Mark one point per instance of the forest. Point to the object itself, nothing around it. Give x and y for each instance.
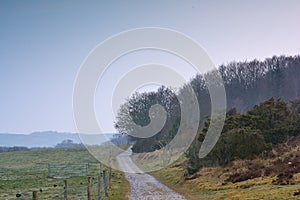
(262, 111)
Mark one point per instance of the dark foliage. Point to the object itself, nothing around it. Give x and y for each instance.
(12, 149)
(246, 136)
(272, 81)
(68, 144)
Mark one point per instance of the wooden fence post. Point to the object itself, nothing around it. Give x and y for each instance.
(34, 195)
(109, 169)
(89, 188)
(99, 188)
(109, 177)
(49, 170)
(105, 183)
(65, 190)
(100, 167)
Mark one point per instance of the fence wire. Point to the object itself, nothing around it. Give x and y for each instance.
(48, 181)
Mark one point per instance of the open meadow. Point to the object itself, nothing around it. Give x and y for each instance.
(27, 171)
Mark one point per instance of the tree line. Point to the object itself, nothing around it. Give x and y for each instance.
(12, 149)
(64, 144)
(247, 84)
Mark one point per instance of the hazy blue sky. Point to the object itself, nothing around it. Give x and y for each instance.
(43, 43)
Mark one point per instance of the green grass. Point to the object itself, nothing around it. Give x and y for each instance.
(208, 185)
(23, 172)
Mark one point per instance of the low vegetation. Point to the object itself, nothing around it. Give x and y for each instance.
(275, 175)
(248, 135)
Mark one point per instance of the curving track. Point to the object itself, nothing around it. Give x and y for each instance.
(144, 186)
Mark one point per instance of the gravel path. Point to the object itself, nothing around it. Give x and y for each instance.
(144, 186)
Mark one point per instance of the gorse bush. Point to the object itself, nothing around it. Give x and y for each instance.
(246, 136)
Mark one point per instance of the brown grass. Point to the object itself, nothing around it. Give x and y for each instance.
(273, 176)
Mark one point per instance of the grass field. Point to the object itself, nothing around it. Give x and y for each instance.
(209, 185)
(23, 172)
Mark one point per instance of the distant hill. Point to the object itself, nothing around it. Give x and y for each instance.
(49, 139)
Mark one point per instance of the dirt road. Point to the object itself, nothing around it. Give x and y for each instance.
(144, 186)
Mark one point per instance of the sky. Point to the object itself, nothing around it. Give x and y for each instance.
(44, 43)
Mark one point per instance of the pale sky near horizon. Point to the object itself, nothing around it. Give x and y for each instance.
(43, 44)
